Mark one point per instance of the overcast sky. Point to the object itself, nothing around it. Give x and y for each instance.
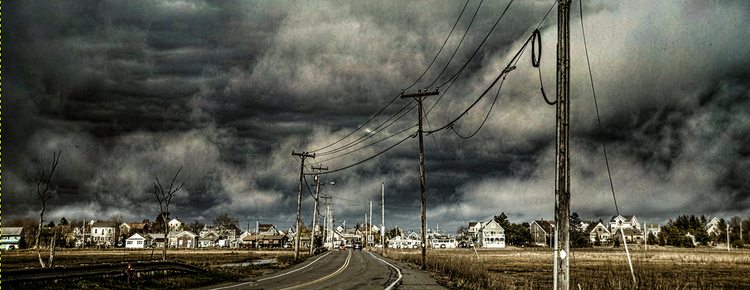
(134, 90)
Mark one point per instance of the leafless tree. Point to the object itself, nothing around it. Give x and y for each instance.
(117, 220)
(43, 197)
(164, 198)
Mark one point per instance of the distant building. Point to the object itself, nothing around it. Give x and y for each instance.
(541, 232)
(11, 238)
(623, 221)
(103, 233)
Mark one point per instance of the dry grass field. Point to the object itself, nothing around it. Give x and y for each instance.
(515, 268)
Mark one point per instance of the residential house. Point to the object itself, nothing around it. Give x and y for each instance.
(136, 241)
(183, 239)
(492, 235)
(632, 235)
(623, 221)
(272, 241)
(652, 229)
(267, 230)
(134, 228)
(157, 239)
(408, 242)
(542, 232)
(712, 227)
(103, 233)
(208, 242)
(597, 230)
(176, 224)
(474, 228)
(11, 238)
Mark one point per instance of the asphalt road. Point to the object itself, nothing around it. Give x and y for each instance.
(342, 269)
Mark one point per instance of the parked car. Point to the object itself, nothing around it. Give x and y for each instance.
(462, 245)
(287, 245)
(342, 247)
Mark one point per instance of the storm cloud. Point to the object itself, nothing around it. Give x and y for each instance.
(131, 91)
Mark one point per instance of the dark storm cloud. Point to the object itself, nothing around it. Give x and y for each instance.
(134, 90)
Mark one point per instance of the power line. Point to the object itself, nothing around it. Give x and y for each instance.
(459, 44)
(371, 157)
(443, 46)
(368, 145)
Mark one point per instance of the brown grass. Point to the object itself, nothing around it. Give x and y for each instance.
(515, 268)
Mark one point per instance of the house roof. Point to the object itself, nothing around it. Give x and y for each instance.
(628, 218)
(136, 226)
(547, 226)
(178, 220)
(11, 231)
(104, 225)
(272, 237)
(593, 226)
(157, 236)
(136, 237)
(265, 227)
(472, 224)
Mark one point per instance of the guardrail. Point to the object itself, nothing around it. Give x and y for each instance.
(35, 274)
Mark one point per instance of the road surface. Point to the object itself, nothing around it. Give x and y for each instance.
(341, 269)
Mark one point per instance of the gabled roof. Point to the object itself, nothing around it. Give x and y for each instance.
(593, 226)
(136, 237)
(628, 218)
(156, 236)
(136, 226)
(11, 231)
(547, 226)
(104, 225)
(265, 227)
(472, 224)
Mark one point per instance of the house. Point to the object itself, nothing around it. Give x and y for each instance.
(652, 229)
(400, 242)
(136, 241)
(183, 239)
(11, 238)
(542, 232)
(474, 228)
(275, 241)
(207, 242)
(267, 230)
(632, 235)
(712, 227)
(103, 233)
(623, 221)
(597, 230)
(176, 224)
(492, 235)
(134, 228)
(157, 239)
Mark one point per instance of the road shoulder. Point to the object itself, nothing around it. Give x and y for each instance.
(413, 277)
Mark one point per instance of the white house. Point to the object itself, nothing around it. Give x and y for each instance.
(623, 221)
(597, 230)
(712, 227)
(175, 224)
(136, 241)
(103, 233)
(492, 235)
(11, 238)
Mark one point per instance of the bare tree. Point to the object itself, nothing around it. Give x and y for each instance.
(43, 197)
(164, 198)
(117, 220)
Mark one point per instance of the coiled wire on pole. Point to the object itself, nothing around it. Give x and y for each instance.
(536, 40)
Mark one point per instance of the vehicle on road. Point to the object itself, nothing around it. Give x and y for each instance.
(358, 246)
(342, 246)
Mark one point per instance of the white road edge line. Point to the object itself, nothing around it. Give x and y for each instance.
(394, 267)
(287, 273)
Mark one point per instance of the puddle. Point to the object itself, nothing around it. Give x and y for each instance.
(257, 262)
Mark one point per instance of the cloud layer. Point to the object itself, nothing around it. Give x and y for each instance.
(132, 91)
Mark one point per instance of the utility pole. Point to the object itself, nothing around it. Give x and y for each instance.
(562, 170)
(313, 243)
(382, 224)
(729, 247)
(369, 227)
(419, 97)
(302, 155)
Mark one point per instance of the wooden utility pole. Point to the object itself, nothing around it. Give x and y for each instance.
(729, 247)
(562, 176)
(419, 97)
(382, 224)
(313, 243)
(369, 226)
(302, 155)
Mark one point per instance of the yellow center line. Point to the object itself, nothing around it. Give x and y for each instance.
(346, 264)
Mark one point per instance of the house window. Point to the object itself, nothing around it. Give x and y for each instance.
(96, 231)
(130, 242)
(140, 242)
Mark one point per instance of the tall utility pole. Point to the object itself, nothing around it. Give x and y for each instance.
(369, 227)
(382, 224)
(302, 155)
(729, 248)
(419, 97)
(313, 243)
(326, 221)
(562, 170)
